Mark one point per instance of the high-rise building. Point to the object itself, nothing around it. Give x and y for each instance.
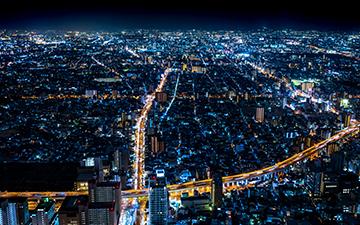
(106, 192)
(3, 214)
(329, 182)
(337, 161)
(344, 103)
(161, 97)
(347, 119)
(73, 210)
(158, 200)
(11, 214)
(320, 183)
(44, 213)
(198, 69)
(259, 115)
(101, 213)
(120, 165)
(313, 182)
(22, 209)
(5, 218)
(216, 190)
(14, 211)
(157, 145)
(96, 164)
(91, 93)
(84, 175)
(246, 96)
(117, 160)
(284, 102)
(307, 86)
(332, 148)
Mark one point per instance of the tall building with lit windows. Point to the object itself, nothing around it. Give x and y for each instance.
(44, 213)
(259, 115)
(14, 211)
(106, 192)
(347, 119)
(161, 97)
(157, 144)
(5, 214)
(101, 213)
(158, 200)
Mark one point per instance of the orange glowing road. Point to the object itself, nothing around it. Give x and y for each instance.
(139, 146)
(38, 195)
(174, 189)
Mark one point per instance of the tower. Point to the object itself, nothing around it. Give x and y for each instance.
(158, 200)
(259, 115)
(45, 213)
(216, 190)
(73, 210)
(101, 213)
(105, 192)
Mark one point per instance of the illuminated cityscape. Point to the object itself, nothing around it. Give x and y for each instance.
(179, 126)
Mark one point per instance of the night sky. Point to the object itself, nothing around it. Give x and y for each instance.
(186, 14)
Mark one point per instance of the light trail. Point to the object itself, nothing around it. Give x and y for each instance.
(38, 195)
(128, 213)
(171, 102)
(298, 157)
(98, 62)
(175, 189)
(139, 146)
(130, 196)
(345, 54)
(132, 52)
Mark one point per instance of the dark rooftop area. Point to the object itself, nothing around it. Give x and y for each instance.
(37, 176)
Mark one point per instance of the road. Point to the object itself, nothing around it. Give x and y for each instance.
(39, 195)
(341, 53)
(175, 189)
(139, 145)
(130, 202)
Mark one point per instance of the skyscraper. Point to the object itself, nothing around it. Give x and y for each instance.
(307, 86)
(158, 200)
(106, 192)
(117, 160)
(284, 102)
(216, 190)
(101, 213)
(157, 145)
(5, 217)
(14, 211)
(347, 119)
(44, 213)
(73, 210)
(161, 97)
(259, 115)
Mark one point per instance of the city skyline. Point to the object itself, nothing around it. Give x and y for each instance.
(211, 15)
(173, 113)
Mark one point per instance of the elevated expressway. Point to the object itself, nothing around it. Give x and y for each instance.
(236, 181)
(243, 180)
